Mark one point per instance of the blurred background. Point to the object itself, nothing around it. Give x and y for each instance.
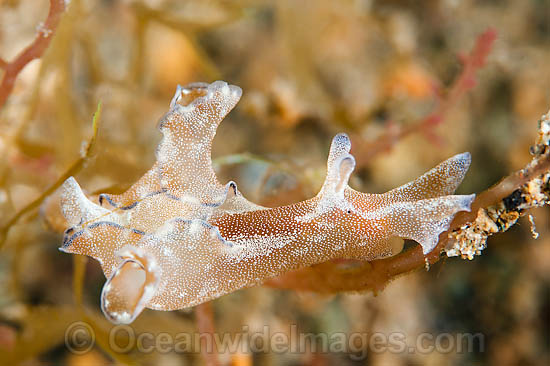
(308, 69)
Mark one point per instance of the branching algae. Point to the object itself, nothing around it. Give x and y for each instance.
(178, 237)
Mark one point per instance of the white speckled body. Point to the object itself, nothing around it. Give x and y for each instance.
(178, 237)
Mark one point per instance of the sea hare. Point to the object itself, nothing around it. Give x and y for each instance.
(178, 237)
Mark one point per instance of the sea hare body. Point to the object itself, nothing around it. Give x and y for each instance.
(178, 237)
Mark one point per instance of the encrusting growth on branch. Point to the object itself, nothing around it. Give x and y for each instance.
(469, 240)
